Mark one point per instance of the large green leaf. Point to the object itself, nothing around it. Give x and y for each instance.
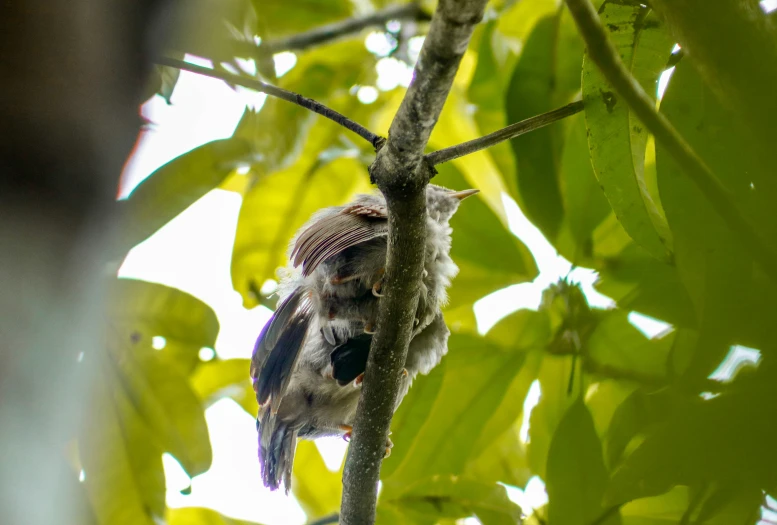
(317, 489)
(737, 506)
(141, 310)
(108, 469)
(496, 59)
(616, 139)
(175, 186)
(725, 440)
(555, 398)
(584, 202)
(504, 460)
(546, 76)
(639, 282)
(728, 293)
(576, 475)
(162, 396)
(616, 347)
(452, 497)
(462, 406)
(488, 255)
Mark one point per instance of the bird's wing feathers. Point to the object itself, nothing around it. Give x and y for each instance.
(278, 347)
(330, 235)
(277, 442)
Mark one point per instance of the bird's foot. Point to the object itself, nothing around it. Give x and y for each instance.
(369, 327)
(359, 380)
(404, 372)
(376, 288)
(348, 431)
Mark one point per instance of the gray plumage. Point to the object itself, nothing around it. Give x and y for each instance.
(319, 336)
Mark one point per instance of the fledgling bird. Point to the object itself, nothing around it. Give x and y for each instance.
(318, 339)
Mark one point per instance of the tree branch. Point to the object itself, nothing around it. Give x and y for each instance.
(402, 174)
(507, 133)
(326, 33)
(607, 59)
(274, 91)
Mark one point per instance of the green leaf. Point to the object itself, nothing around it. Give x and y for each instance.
(496, 59)
(274, 20)
(616, 139)
(617, 348)
(162, 396)
(108, 469)
(218, 379)
(576, 477)
(546, 76)
(218, 30)
(724, 440)
(555, 398)
(456, 125)
(638, 282)
(201, 516)
(638, 413)
(504, 461)
(488, 255)
(141, 310)
(317, 489)
(714, 265)
(175, 186)
(451, 497)
(468, 401)
(584, 202)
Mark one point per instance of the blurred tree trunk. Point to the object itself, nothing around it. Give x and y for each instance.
(72, 74)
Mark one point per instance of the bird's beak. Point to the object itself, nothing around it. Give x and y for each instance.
(463, 194)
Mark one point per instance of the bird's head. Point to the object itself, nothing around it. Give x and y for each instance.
(442, 203)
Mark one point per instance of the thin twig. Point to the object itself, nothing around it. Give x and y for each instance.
(510, 132)
(607, 59)
(326, 33)
(402, 174)
(274, 91)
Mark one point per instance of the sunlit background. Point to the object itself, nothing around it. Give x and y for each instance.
(193, 253)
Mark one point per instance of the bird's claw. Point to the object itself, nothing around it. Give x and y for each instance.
(359, 380)
(369, 328)
(376, 289)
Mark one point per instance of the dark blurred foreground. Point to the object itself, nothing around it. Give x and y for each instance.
(71, 77)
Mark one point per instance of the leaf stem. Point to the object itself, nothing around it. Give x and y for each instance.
(507, 133)
(274, 91)
(606, 57)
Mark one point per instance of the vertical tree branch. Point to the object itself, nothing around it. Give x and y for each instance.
(401, 173)
(606, 57)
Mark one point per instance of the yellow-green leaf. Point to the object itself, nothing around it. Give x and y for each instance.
(617, 140)
(576, 477)
(317, 489)
(175, 186)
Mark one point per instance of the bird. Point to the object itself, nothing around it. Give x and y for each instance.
(317, 341)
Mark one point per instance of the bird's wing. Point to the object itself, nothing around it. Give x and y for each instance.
(332, 234)
(278, 347)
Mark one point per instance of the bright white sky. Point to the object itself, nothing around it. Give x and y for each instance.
(193, 253)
